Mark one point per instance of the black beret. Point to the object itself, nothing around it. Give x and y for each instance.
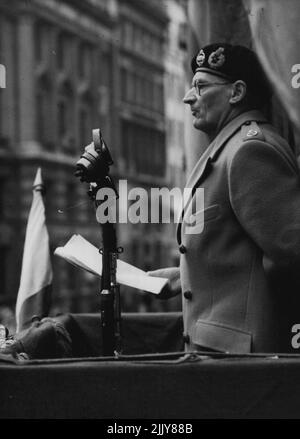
(232, 63)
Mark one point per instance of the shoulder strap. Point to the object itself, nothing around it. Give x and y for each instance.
(251, 131)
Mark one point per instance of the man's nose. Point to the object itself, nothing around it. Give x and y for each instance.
(190, 96)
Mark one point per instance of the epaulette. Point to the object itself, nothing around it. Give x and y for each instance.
(251, 131)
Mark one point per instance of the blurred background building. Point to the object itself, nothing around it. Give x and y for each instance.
(121, 65)
(73, 66)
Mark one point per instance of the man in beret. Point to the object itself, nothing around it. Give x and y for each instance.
(239, 276)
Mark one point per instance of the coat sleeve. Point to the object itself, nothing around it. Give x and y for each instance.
(264, 189)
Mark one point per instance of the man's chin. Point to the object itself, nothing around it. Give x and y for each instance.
(199, 124)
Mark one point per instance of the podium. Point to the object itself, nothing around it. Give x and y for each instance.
(149, 381)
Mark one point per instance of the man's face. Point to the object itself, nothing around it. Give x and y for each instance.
(209, 101)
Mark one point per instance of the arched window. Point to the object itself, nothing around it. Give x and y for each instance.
(42, 42)
(65, 117)
(44, 114)
(85, 122)
(64, 52)
(85, 61)
(87, 108)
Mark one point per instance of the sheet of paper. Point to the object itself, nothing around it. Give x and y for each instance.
(81, 253)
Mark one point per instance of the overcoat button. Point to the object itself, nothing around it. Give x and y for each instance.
(182, 249)
(186, 338)
(188, 295)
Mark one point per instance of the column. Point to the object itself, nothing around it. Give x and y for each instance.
(26, 81)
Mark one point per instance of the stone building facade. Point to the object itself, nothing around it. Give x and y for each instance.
(73, 66)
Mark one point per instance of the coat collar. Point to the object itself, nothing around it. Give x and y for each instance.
(232, 127)
(211, 153)
(204, 164)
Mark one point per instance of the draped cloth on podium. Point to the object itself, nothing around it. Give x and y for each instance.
(79, 335)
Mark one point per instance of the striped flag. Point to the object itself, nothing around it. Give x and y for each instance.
(36, 277)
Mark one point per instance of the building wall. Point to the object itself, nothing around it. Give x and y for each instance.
(58, 58)
(144, 147)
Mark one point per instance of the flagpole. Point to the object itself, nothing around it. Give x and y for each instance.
(34, 292)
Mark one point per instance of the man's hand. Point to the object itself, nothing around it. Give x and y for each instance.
(173, 287)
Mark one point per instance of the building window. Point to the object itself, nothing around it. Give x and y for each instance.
(44, 114)
(130, 87)
(41, 104)
(71, 200)
(139, 90)
(128, 37)
(85, 61)
(50, 199)
(159, 153)
(42, 42)
(104, 69)
(125, 142)
(124, 84)
(138, 39)
(148, 94)
(65, 118)
(64, 51)
(62, 111)
(85, 124)
(144, 149)
(147, 42)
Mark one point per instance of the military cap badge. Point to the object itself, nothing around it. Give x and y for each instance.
(216, 59)
(200, 58)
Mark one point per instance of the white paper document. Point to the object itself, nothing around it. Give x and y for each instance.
(81, 253)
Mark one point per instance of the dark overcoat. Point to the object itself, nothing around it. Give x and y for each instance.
(240, 275)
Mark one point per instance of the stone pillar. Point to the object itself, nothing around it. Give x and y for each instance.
(26, 81)
(8, 94)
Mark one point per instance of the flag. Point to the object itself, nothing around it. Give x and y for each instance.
(36, 275)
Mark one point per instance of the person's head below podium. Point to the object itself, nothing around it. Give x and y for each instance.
(228, 80)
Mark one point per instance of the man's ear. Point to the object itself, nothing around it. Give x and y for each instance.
(239, 90)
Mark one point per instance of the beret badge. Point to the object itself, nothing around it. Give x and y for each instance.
(200, 58)
(216, 59)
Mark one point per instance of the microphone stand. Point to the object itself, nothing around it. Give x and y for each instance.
(110, 290)
(110, 294)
